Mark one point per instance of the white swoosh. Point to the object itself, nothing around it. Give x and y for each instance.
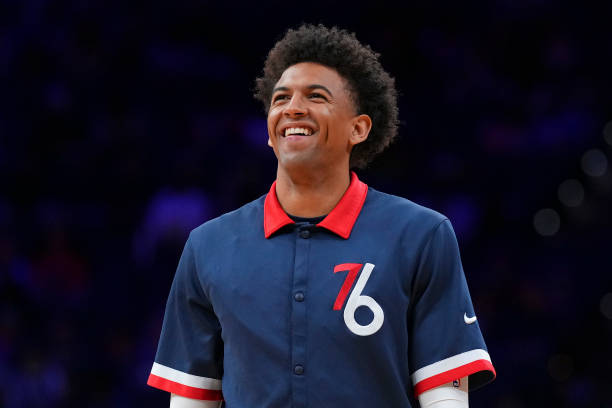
(468, 320)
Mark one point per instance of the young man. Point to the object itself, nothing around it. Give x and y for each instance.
(324, 292)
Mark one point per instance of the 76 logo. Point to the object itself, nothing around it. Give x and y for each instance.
(356, 299)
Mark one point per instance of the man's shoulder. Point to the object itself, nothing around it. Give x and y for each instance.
(247, 216)
(402, 210)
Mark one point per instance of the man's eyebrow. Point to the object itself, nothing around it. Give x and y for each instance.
(317, 86)
(280, 88)
(313, 86)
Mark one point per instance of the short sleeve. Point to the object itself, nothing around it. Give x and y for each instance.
(190, 350)
(445, 341)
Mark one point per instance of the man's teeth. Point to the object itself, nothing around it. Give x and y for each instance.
(298, 131)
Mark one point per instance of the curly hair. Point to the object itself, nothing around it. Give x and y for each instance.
(371, 87)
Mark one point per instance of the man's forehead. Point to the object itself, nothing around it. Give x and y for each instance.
(306, 74)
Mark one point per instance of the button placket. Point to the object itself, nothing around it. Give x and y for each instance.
(298, 319)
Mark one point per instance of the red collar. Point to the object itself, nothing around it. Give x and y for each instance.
(339, 221)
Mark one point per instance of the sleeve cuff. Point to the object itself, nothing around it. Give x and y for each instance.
(449, 369)
(184, 384)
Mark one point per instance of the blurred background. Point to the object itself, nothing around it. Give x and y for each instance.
(123, 125)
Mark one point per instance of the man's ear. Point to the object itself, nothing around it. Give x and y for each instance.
(270, 142)
(361, 129)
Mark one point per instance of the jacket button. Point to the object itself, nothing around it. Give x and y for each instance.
(299, 296)
(298, 369)
(305, 234)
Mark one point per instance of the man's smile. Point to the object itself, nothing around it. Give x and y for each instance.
(296, 129)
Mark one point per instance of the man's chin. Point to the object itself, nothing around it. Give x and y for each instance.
(298, 159)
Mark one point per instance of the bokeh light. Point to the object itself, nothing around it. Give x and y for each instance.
(594, 163)
(546, 222)
(571, 193)
(605, 305)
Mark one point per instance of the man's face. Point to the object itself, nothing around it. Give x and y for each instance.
(312, 118)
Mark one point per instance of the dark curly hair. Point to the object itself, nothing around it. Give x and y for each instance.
(371, 87)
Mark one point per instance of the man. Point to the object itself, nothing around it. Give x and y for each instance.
(324, 292)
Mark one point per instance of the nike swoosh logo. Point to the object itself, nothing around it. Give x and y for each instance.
(468, 320)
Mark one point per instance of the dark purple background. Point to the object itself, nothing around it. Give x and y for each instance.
(124, 124)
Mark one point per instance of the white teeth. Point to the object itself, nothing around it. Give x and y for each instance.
(301, 131)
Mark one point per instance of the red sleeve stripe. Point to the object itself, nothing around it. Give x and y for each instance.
(451, 375)
(451, 368)
(185, 384)
(184, 378)
(184, 390)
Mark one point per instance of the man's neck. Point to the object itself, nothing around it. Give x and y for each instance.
(311, 194)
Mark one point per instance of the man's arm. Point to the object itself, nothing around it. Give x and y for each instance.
(445, 343)
(189, 355)
(176, 401)
(449, 395)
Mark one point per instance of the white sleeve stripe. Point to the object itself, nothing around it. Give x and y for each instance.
(184, 378)
(449, 364)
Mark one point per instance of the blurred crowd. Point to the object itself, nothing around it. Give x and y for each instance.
(124, 125)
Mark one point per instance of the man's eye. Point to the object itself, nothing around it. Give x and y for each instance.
(280, 98)
(317, 95)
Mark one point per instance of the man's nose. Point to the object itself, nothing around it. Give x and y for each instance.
(295, 107)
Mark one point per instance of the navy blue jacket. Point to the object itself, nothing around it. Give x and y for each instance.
(367, 308)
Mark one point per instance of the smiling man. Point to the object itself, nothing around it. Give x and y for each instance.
(313, 126)
(324, 292)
